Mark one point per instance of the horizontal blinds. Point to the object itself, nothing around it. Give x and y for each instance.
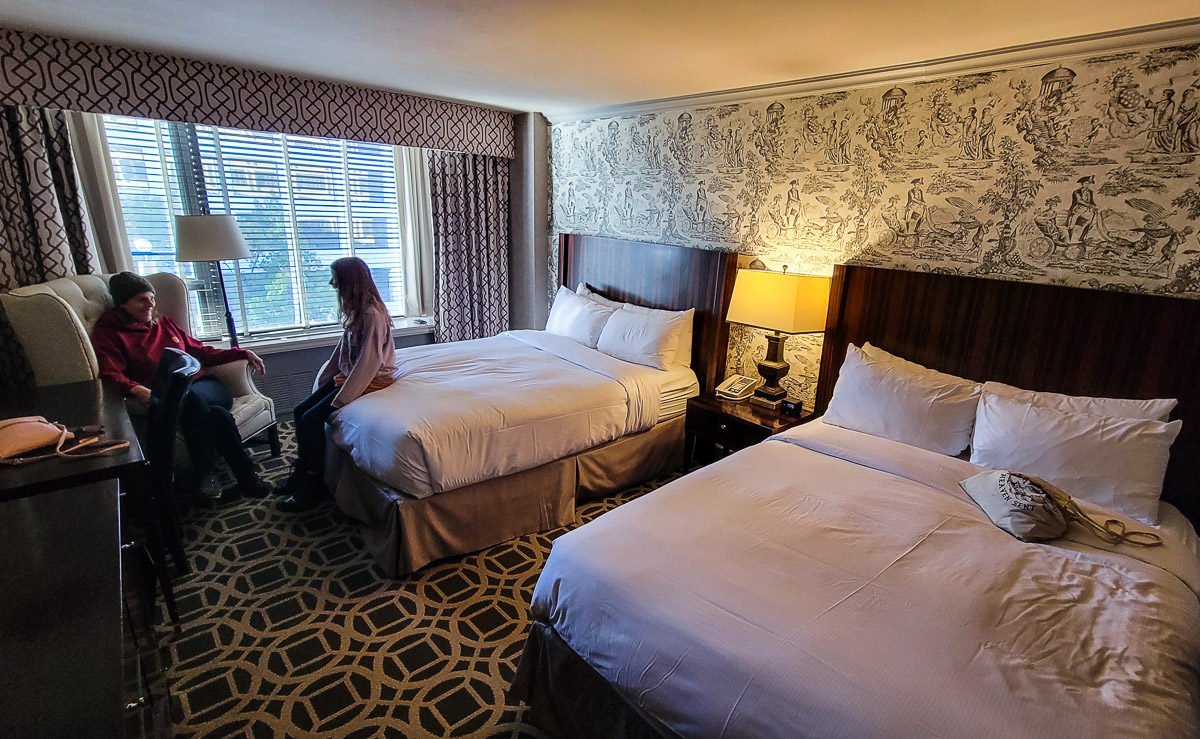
(144, 170)
(301, 203)
(375, 218)
(246, 175)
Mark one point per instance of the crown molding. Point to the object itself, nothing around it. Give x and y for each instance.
(1158, 34)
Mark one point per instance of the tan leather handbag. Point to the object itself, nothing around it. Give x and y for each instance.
(19, 436)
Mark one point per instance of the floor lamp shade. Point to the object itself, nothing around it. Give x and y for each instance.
(782, 303)
(209, 238)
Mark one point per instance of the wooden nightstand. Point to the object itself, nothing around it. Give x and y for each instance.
(730, 425)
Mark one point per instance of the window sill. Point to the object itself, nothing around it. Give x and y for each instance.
(322, 337)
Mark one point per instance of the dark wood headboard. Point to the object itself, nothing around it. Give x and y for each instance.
(660, 276)
(1041, 337)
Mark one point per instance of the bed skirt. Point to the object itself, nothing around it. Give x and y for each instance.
(567, 697)
(403, 533)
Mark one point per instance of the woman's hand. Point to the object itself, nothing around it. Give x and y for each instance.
(256, 363)
(141, 393)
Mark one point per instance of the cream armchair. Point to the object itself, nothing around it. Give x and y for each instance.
(53, 322)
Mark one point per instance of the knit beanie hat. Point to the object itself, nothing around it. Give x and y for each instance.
(124, 286)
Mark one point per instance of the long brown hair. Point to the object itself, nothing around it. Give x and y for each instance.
(356, 291)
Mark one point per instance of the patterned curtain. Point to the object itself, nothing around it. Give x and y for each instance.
(469, 198)
(42, 235)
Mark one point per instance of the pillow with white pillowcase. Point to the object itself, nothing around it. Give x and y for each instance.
(682, 354)
(586, 292)
(1118, 463)
(640, 338)
(1157, 409)
(681, 322)
(885, 399)
(578, 318)
(877, 354)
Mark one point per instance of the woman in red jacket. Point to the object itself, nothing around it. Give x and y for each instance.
(363, 361)
(129, 340)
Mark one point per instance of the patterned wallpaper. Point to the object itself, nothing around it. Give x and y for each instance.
(1084, 172)
(48, 72)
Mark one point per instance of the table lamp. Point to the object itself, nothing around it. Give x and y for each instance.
(781, 303)
(211, 238)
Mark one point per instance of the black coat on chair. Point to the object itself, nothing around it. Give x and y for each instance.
(174, 375)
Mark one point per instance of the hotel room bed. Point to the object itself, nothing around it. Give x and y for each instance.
(481, 441)
(831, 583)
(475, 410)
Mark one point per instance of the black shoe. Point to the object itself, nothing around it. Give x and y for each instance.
(297, 481)
(298, 502)
(253, 487)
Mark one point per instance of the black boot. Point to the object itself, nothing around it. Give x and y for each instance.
(293, 483)
(250, 486)
(306, 492)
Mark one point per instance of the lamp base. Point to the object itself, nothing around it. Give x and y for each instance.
(763, 402)
(773, 369)
(233, 341)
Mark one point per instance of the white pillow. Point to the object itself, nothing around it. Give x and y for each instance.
(640, 338)
(1118, 463)
(1158, 409)
(879, 355)
(577, 317)
(682, 321)
(681, 350)
(583, 290)
(884, 399)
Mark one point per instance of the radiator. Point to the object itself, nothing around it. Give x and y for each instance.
(286, 390)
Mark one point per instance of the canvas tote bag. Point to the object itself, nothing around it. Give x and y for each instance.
(1032, 509)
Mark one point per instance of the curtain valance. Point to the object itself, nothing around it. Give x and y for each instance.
(50, 72)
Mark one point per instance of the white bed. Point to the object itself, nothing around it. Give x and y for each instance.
(475, 410)
(481, 441)
(828, 583)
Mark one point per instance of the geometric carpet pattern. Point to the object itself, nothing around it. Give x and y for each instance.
(288, 629)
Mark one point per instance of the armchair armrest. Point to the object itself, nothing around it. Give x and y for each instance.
(236, 376)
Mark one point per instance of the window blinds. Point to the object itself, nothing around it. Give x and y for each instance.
(301, 202)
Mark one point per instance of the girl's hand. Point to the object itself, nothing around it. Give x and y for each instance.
(256, 363)
(141, 393)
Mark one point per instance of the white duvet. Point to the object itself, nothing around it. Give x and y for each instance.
(832, 584)
(468, 411)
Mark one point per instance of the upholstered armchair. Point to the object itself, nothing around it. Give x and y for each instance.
(53, 322)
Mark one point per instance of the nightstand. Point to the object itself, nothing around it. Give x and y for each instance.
(730, 425)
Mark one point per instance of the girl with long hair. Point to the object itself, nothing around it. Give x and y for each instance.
(363, 361)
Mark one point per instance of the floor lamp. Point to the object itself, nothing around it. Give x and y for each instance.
(211, 238)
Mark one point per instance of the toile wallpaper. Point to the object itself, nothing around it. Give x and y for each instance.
(1084, 173)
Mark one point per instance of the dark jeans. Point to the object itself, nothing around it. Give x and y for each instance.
(310, 418)
(208, 428)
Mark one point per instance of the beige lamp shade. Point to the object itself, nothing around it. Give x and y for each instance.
(778, 301)
(209, 238)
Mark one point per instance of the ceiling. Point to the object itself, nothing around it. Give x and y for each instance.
(574, 55)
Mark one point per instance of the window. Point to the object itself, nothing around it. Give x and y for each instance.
(301, 203)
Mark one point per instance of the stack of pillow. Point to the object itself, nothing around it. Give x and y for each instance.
(1112, 452)
(648, 336)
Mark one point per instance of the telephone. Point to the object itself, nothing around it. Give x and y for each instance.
(737, 387)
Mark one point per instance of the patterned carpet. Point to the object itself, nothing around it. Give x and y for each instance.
(287, 628)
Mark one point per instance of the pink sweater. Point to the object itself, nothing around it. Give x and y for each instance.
(364, 354)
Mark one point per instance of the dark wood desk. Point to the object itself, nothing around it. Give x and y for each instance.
(68, 555)
(60, 614)
(73, 404)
